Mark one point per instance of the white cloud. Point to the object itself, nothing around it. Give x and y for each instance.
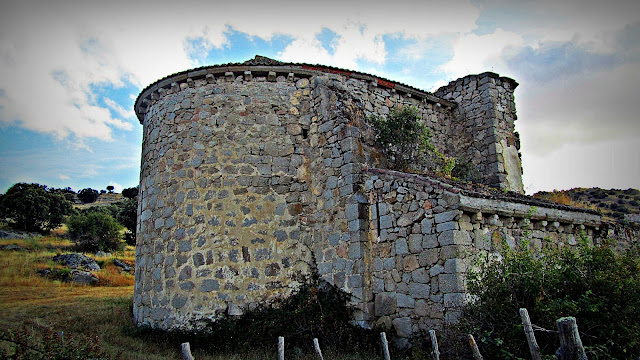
(479, 53)
(595, 107)
(51, 53)
(127, 114)
(63, 177)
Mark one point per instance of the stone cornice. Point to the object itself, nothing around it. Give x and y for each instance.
(490, 200)
(271, 69)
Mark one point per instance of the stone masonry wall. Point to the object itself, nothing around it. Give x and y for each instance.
(486, 114)
(425, 234)
(255, 177)
(220, 192)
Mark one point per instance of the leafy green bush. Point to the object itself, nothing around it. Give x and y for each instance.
(95, 231)
(597, 286)
(407, 142)
(34, 207)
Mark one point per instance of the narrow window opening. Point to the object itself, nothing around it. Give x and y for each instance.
(305, 133)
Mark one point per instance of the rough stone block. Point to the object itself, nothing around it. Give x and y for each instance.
(401, 246)
(451, 225)
(415, 243)
(450, 283)
(386, 222)
(405, 219)
(446, 216)
(426, 225)
(405, 301)
(209, 285)
(454, 266)
(436, 270)
(419, 291)
(385, 304)
(454, 237)
(420, 276)
(403, 327)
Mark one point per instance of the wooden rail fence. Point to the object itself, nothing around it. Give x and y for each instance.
(570, 344)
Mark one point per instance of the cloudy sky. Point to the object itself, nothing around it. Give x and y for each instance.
(71, 70)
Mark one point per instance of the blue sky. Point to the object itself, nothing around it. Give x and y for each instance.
(71, 70)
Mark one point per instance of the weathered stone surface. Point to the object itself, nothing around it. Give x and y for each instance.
(454, 237)
(77, 261)
(402, 327)
(385, 304)
(251, 177)
(83, 277)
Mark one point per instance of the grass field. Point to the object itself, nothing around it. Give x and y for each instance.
(41, 305)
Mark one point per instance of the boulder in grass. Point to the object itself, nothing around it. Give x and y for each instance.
(123, 265)
(83, 277)
(77, 261)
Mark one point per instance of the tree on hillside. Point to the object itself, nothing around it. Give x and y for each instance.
(110, 189)
(130, 193)
(88, 195)
(34, 207)
(67, 192)
(128, 217)
(95, 231)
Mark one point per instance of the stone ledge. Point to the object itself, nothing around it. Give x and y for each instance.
(506, 208)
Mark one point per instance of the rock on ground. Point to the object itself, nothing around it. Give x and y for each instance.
(77, 261)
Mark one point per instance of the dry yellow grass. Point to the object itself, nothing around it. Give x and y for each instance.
(36, 303)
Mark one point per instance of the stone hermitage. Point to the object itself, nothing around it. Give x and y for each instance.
(256, 174)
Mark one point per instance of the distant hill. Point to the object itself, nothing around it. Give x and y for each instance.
(614, 203)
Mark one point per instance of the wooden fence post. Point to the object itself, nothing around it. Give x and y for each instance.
(385, 346)
(435, 353)
(316, 346)
(280, 347)
(531, 337)
(570, 343)
(474, 348)
(186, 351)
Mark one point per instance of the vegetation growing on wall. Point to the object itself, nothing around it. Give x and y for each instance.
(407, 142)
(597, 286)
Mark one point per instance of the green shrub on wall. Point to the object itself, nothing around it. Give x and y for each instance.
(600, 288)
(407, 142)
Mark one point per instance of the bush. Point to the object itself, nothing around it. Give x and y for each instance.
(316, 310)
(406, 141)
(88, 195)
(130, 193)
(128, 217)
(597, 286)
(95, 231)
(111, 210)
(34, 207)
